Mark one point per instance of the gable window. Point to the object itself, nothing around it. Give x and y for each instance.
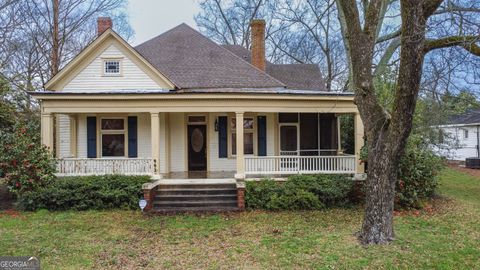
(248, 137)
(113, 137)
(111, 67)
(465, 134)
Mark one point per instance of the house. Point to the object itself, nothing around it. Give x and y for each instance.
(179, 107)
(463, 131)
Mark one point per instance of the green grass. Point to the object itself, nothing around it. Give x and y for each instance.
(447, 238)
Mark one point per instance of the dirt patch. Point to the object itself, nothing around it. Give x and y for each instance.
(6, 198)
(473, 172)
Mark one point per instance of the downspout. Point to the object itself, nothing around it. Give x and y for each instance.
(478, 141)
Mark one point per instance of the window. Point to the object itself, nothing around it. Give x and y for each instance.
(465, 133)
(111, 67)
(113, 137)
(248, 125)
(197, 119)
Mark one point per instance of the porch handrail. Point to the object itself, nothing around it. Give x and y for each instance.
(271, 165)
(101, 166)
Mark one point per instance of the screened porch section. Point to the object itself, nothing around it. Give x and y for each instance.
(308, 143)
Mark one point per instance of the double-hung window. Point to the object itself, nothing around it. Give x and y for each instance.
(248, 137)
(113, 137)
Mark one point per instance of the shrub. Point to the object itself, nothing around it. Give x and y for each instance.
(25, 164)
(297, 199)
(299, 192)
(88, 192)
(417, 177)
(332, 189)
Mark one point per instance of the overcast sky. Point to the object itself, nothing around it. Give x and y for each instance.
(150, 18)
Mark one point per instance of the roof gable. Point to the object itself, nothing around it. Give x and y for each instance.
(191, 60)
(105, 41)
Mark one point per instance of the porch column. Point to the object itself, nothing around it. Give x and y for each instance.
(339, 136)
(73, 135)
(240, 151)
(359, 133)
(47, 130)
(163, 165)
(155, 141)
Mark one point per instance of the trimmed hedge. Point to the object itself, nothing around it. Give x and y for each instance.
(86, 192)
(299, 192)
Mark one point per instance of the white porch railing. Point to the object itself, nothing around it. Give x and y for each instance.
(101, 166)
(271, 165)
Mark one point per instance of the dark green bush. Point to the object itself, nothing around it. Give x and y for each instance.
(297, 199)
(417, 177)
(25, 164)
(88, 192)
(299, 192)
(331, 189)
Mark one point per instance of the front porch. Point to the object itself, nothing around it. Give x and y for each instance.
(188, 137)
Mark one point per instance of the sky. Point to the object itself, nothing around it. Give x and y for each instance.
(150, 18)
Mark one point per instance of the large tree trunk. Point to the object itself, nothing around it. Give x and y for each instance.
(387, 143)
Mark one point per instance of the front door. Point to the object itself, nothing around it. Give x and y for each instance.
(197, 143)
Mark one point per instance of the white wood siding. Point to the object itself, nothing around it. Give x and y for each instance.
(82, 136)
(462, 147)
(63, 122)
(177, 139)
(91, 77)
(144, 143)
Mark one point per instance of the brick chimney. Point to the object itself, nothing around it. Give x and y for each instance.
(257, 27)
(103, 23)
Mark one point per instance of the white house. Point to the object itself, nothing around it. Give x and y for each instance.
(179, 106)
(463, 131)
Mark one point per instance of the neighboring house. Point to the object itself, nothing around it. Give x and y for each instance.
(180, 106)
(463, 136)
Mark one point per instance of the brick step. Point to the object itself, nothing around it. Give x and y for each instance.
(196, 203)
(196, 191)
(197, 186)
(194, 197)
(194, 209)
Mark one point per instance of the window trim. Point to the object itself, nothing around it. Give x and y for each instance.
(465, 134)
(231, 131)
(120, 67)
(123, 131)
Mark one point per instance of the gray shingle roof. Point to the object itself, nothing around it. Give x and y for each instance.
(469, 117)
(295, 76)
(191, 60)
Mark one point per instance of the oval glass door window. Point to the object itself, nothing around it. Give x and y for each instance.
(197, 140)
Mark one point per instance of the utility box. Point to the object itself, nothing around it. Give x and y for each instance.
(472, 163)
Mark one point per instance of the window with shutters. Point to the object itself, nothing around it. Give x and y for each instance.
(113, 137)
(248, 136)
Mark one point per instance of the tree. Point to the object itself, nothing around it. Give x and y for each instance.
(43, 35)
(386, 130)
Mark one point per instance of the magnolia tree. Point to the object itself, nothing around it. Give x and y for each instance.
(387, 130)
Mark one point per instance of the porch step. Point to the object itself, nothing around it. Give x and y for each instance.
(195, 197)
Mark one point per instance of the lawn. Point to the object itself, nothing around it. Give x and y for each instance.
(446, 236)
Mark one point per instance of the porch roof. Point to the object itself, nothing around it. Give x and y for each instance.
(142, 92)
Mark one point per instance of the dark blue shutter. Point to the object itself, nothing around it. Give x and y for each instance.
(262, 135)
(91, 137)
(132, 137)
(222, 137)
